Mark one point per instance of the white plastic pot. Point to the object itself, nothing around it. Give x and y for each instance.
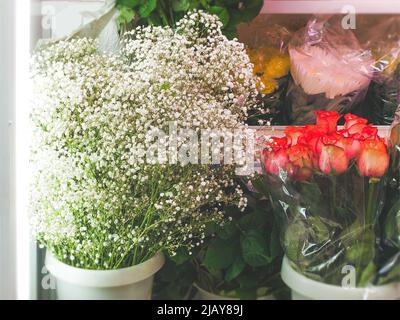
(121, 284)
(304, 288)
(205, 295)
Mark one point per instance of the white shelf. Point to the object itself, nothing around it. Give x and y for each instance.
(331, 6)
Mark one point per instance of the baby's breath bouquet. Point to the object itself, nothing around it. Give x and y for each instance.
(97, 200)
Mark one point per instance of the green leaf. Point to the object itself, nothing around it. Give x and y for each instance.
(235, 269)
(259, 183)
(154, 19)
(129, 3)
(255, 249)
(253, 221)
(126, 15)
(227, 2)
(180, 5)
(392, 225)
(220, 254)
(182, 256)
(367, 275)
(221, 12)
(205, 4)
(296, 234)
(211, 228)
(228, 231)
(275, 248)
(147, 7)
(248, 280)
(251, 9)
(247, 293)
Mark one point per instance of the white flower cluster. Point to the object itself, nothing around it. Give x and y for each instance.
(96, 202)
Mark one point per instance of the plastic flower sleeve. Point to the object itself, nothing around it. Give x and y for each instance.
(330, 71)
(326, 187)
(384, 93)
(389, 260)
(269, 54)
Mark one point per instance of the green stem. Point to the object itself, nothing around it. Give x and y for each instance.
(369, 212)
(333, 197)
(163, 15)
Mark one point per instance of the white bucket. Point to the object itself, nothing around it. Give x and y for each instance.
(130, 283)
(304, 288)
(205, 295)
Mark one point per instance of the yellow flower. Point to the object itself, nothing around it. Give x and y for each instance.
(278, 66)
(258, 59)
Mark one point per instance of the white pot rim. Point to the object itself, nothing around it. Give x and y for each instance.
(322, 291)
(103, 278)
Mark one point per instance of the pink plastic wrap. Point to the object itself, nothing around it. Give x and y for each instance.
(330, 71)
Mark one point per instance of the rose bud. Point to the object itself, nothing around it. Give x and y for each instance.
(374, 159)
(275, 143)
(356, 129)
(300, 156)
(352, 120)
(275, 161)
(293, 133)
(274, 155)
(333, 160)
(327, 120)
(367, 132)
(311, 137)
(351, 147)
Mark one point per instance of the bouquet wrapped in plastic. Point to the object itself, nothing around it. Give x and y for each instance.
(271, 62)
(327, 188)
(384, 93)
(330, 71)
(389, 260)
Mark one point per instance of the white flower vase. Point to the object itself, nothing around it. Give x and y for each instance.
(304, 288)
(205, 295)
(132, 283)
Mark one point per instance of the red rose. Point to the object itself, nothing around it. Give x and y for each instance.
(275, 157)
(330, 139)
(352, 120)
(311, 137)
(351, 147)
(367, 132)
(293, 134)
(333, 160)
(275, 161)
(327, 120)
(276, 144)
(374, 159)
(300, 157)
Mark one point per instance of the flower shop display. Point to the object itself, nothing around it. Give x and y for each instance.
(384, 93)
(101, 207)
(327, 189)
(330, 71)
(169, 12)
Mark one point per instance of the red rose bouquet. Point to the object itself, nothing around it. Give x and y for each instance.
(326, 187)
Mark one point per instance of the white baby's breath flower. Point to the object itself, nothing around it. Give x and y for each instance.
(96, 202)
